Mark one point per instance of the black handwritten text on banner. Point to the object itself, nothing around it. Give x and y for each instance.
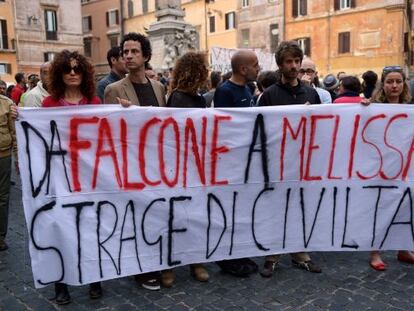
(110, 192)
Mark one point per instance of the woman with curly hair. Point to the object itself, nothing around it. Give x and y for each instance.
(71, 83)
(190, 73)
(393, 89)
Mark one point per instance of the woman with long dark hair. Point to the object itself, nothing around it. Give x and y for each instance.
(71, 83)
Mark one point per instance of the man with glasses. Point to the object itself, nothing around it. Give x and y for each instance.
(309, 76)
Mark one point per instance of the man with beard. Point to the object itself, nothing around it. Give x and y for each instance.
(231, 94)
(289, 90)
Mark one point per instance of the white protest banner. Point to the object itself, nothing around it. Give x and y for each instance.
(109, 192)
(221, 59)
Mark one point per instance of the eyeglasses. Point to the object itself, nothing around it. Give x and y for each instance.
(389, 69)
(68, 69)
(308, 71)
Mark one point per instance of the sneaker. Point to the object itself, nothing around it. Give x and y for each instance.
(95, 290)
(167, 278)
(268, 268)
(3, 245)
(307, 265)
(199, 272)
(150, 280)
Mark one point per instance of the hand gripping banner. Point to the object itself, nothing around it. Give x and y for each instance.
(110, 192)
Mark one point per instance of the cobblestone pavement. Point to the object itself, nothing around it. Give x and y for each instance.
(347, 283)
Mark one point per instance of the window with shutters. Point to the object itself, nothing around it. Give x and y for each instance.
(304, 44)
(230, 20)
(112, 18)
(113, 41)
(144, 6)
(406, 43)
(344, 4)
(51, 25)
(86, 23)
(299, 8)
(212, 24)
(274, 37)
(87, 46)
(130, 8)
(5, 68)
(245, 34)
(245, 3)
(4, 39)
(48, 56)
(344, 42)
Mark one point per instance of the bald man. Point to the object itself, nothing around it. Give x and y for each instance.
(36, 95)
(234, 92)
(309, 76)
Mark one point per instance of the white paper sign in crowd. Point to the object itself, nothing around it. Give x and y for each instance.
(110, 192)
(220, 59)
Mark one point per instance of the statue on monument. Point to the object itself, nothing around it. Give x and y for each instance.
(168, 4)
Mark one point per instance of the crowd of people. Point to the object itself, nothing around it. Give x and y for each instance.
(69, 81)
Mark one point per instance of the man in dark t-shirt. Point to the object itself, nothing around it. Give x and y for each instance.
(234, 92)
(231, 94)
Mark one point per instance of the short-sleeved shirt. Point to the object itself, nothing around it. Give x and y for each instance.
(145, 94)
(232, 95)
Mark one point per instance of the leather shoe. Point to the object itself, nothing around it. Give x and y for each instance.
(268, 268)
(62, 296)
(199, 272)
(234, 267)
(95, 290)
(405, 256)
(3, 245)
(167, 278)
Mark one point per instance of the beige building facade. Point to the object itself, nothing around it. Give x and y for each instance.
(215, 21)
(352, 35)
(8, 64)
(260, 24)
(102, 30)
(44, 28)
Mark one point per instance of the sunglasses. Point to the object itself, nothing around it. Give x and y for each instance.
(389, 69)
(68, 69)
